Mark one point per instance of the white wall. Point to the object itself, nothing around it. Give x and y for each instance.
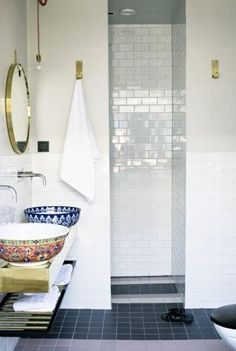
(141, 158)
(211, 229)
(90, 286)
(211, 122)
(211, 146)
(13, 35)
(71, 31)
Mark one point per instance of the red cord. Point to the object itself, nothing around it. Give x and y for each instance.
(38, 28)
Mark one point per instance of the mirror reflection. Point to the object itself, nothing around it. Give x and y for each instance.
(17, 108)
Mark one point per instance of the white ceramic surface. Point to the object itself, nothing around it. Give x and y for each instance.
(31, 231)
(228, 335)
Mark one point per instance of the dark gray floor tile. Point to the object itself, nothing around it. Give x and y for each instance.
(123, 337)
(109, 336)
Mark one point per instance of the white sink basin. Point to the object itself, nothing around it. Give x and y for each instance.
(31, 244)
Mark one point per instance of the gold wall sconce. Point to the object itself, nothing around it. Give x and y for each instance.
(215, 69)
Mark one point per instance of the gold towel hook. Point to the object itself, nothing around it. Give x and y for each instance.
(79, 69)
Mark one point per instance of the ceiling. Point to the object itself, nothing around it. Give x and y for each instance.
(148, 11)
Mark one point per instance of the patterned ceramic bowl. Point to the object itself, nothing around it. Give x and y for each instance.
(31, 243)
(63, 215)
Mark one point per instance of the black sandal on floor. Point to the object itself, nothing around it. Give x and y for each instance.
(177, 315)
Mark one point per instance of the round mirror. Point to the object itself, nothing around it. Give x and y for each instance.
(17, 105)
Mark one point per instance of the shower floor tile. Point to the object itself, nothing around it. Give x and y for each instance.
(147, 298)
(150, 289)
(142, 280)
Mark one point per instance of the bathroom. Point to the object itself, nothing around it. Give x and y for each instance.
(172, 216)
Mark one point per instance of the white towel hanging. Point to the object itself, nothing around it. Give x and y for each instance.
(80, 149)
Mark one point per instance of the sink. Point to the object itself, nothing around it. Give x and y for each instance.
(62, 215)
(31, 244)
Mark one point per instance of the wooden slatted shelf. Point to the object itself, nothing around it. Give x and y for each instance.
(25, 323)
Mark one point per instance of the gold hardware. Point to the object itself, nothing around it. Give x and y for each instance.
(38, 58)
(24, 279)
(8, 106)
(79, 69)
(215, 69)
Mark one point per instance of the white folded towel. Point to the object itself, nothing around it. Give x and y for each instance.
(80, 150)
(45, 302)
(64, 275)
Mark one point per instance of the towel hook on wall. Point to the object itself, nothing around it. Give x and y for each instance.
(79, 69)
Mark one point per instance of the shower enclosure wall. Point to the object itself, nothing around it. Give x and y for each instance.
(179, 157)
(144, 90)
(140, 129)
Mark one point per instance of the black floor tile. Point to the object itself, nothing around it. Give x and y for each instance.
(137, 336)
(84, 313)
(111, 330)
(178, 330)
(123, 331)
(122, 320)
(151, 330)
(196, 336)
(136, 315)
(150, 325)
(130, 321)
(123, 336)
(137, 330)
(82, 324)
(152, 337)
(108, 336)
(94, 336)
(181, 337)
(96, 324)
(80, 336)
(95, 330)
(66, 336)
(81, 330)
(166, 337)
(109, 324)
(123, 308)
(165, 331)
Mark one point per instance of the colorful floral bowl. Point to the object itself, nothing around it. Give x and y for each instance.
(31, 243)
(63, 215)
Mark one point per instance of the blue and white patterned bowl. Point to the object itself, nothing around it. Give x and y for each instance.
(62, 215)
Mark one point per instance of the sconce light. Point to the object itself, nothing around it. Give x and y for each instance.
(38, 55)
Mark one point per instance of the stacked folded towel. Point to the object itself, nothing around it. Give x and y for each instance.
(37, 302)
(44, 302)
(64, 275)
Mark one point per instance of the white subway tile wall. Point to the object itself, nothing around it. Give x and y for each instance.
(179, 156)
(10, 211)
(90, 285)
(141, 144)
(211, 229)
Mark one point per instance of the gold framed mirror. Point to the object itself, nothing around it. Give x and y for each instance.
(17, 107)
